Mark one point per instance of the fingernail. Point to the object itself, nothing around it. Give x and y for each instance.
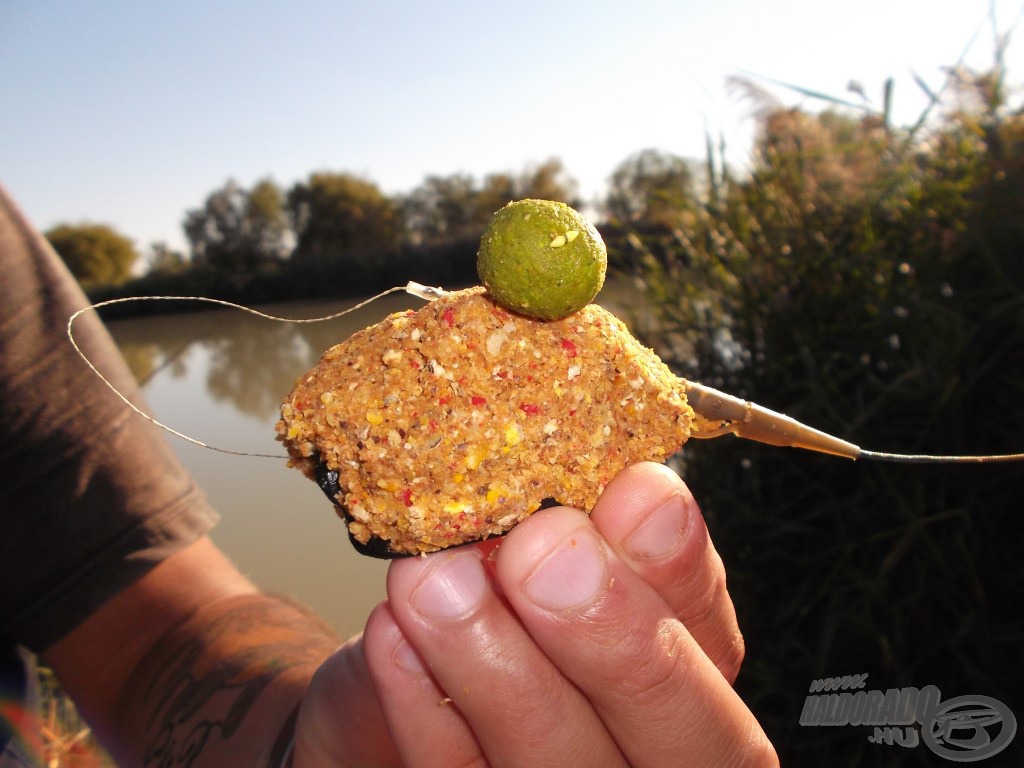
(661, 533)
(571, 576)
(452, 588)
(406, 658)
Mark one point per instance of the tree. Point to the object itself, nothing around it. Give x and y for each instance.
(164, 260)
(338, 215)
(267, 220)
(548, 181)
(237, 232)
(650, 190)
(448, 209)
(96, 254)
(498, 190)
(442, 209)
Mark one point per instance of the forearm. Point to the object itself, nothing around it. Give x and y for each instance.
(220, 688)
(191, 661)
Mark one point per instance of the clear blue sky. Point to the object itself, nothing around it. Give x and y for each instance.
(130, 113)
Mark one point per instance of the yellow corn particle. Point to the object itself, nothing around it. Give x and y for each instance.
(494, 494)
(454, 507)
(376, 418)
(327, 398)
(458, 477)
(293, 431)
(513, 435)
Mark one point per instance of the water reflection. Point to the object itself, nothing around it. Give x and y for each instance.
(251, 366)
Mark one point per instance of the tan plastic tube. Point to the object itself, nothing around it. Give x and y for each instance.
(722, 413)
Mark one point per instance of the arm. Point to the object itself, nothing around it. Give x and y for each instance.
(171, 654)
(192, 665)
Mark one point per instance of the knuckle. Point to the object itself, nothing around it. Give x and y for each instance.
(730, 658)
(660, 669)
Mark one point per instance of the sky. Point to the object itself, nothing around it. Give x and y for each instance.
(130, 113)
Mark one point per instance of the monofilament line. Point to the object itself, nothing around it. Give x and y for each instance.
(905, 458)
(421, 291)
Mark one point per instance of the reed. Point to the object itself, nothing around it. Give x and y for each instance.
(867, 280)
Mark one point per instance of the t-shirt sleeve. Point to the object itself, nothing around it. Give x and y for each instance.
(91, 495)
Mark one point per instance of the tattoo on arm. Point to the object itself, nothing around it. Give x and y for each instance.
(200, 682)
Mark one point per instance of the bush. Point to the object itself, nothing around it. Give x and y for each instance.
(869, 284)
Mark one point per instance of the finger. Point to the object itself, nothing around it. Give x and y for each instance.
(507, 690)
(340, 722)
(650, 518)
(426, 728)
(609, 632)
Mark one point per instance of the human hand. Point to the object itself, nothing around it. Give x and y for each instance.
(607, 640)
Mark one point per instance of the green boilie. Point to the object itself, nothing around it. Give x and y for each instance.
(541, 259)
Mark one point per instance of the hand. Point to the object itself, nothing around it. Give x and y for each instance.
(607, 640)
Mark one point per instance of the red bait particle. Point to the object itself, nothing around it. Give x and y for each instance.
(449, 317)
(477, 400)
(529, 408)
(569, 347)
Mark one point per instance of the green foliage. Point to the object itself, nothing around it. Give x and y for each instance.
(548, 181)
(238, 232)
(341, 216)
(447, 209)
(653, 189)
(164, 260)
(96, 254)
(332, 234)
(444, 208)
(868, 282)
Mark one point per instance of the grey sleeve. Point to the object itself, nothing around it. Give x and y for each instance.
(91, 495)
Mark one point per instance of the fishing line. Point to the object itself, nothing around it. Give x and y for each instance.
(739, 417)
(416, 289)
(907, 458)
